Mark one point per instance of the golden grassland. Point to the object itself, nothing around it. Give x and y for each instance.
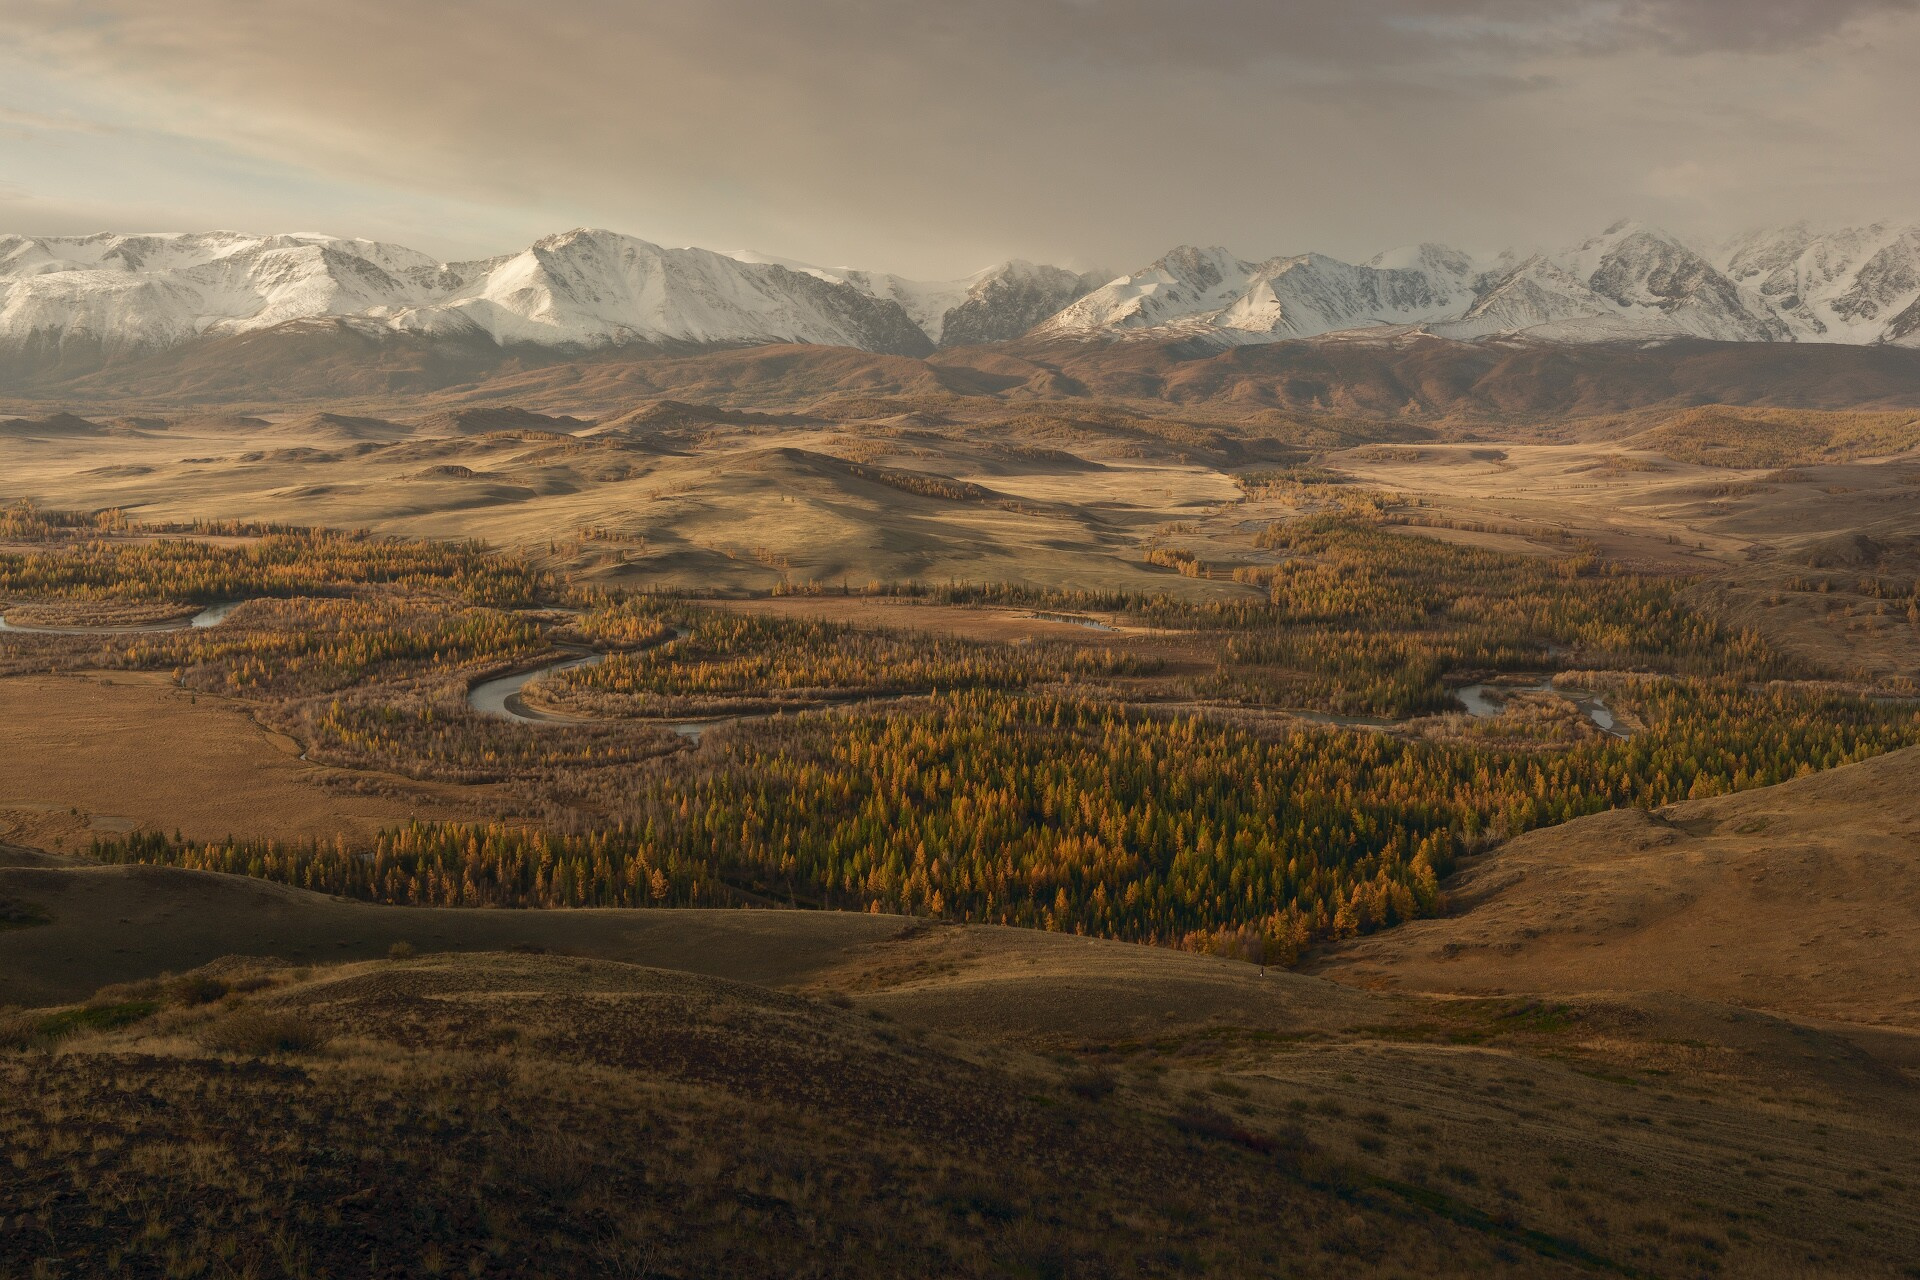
(1799, 898)
(97, 754)
(1059, 496)
(685, 505)
(1679, 1043)
(893, 1094)
(1761, 437)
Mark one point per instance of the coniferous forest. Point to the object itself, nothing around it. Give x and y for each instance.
(1248, 775)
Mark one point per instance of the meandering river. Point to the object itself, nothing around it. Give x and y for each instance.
(500, 696)
(1478, 702)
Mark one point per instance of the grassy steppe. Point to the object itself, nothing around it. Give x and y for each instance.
(1678, 1043)
(823, 1093)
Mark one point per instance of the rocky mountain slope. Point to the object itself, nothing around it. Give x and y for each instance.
(121, 295)
(1857, 284)
(998, 304)
(1209, 291)
(1631, 282)
(83, 302)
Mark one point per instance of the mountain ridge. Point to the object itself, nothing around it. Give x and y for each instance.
(1398, 374)
(90, 301)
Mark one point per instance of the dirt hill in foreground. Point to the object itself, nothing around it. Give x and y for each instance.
(1802, 899)
(789, 1093)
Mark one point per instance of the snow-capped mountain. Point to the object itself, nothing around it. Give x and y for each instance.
(1855, 284)
(1630, 282)
(1181, 288)
(1211, 292)
(581, 288)
(68, 300)
(997, 304)
(926, 302)
(131, 293)
(593, 288)
(1005, 302)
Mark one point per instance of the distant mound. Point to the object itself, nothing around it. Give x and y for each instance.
(482, 422)
(337, 428)
(1759, 436)
(235, 422)
(54, 425)
(660, 415)
(1861, 551)
(1716, 437)
(449, 471)
(1495, 381)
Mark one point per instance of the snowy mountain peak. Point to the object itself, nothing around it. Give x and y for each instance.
(79, 298)
(1187, 284)
(1847, 284)
(585, 287)
(1437, 260)
(1006, 302)
(1200, 268)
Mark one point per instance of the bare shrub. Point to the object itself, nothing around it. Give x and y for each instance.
(1093, 1085)
(260, 1033)
(196, 988)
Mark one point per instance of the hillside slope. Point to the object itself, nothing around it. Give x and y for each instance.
(1404, 376)
(1802, 898)
(887, 1097)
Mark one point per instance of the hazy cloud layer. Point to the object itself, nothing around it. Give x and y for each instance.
(934, 137)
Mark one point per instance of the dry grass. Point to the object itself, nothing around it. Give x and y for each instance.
(1745, 438)
(544, 1117)
(1798, 899)
(966, 1100)
(99, 754)
(734, 506)
(533, 1115)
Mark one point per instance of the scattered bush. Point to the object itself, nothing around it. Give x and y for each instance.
(261, 1033)
(20, 1029)
(195, 989)
(1093, 1086)
(15, 914)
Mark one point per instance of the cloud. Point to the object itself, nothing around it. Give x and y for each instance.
(49, 121)
(936, 136)
(1745, 25)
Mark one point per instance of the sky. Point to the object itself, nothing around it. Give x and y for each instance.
(933, 137)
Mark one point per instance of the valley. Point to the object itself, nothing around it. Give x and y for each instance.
(1127, 642)
(1585, 1126)
(1455, 830)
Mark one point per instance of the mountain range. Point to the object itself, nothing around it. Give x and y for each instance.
(79, 302)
